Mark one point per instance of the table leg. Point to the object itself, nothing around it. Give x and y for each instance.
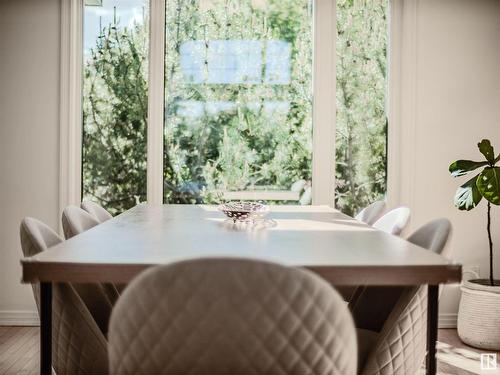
(45, 328)
(432, 327)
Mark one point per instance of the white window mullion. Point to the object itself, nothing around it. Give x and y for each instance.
(402, 92)
(324, 102)
(70, 103)
(156, 102)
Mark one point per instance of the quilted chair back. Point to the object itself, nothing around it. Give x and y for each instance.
(401, 344)
(76, 221)
(97, 211)
(231, 316)
(99, 298)
(371, 213)
(394, 222)
(79, 347)
(433, 236)
(35, 238)
(400, 347)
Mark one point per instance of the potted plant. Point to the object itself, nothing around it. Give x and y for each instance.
(479, 311)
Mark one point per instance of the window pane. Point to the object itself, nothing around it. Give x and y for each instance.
(238, 100)
(361, 138)
(115, 94)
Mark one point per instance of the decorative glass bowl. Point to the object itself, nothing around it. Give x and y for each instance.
(244, 211)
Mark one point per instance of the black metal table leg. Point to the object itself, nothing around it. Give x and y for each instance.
(45, 328)
(432, 327)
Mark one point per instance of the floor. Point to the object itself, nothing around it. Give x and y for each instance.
(19, 350)
(19, 353)
(456, 358)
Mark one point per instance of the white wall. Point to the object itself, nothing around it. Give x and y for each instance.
(29, 136)
(457, 104)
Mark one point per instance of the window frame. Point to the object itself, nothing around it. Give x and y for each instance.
(70, 103)
(324, 101)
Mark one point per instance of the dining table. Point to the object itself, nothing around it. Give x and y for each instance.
(337, 247)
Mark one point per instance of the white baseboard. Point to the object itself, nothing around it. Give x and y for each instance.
(447, 321)
(19, 318)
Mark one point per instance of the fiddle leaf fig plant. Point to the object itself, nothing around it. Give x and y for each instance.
(485, 185)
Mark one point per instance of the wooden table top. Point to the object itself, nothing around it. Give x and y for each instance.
(339, 248)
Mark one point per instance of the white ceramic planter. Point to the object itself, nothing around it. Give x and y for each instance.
(479, 316)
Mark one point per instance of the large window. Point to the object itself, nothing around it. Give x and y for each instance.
(361, 137)
(115, 103)
(238, 101)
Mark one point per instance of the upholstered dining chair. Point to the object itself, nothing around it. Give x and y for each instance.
(371, 213)
(398, 346)
(230, 316)
(101, 215)
(35, 238)
(394, 221)
(97, 211)
(433, 236)
(79, 346)
(76, 221)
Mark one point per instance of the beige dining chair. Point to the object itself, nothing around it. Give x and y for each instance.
(434, 236)
(231, 316)
(371, 213)
(35, 238)
(97, 211)
(399, 345)
(76, 221)
(101, 215)
(367, 215)
(394, 221)
(79, 346)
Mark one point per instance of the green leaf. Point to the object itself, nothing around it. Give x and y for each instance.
(497, 159)
(487, 150)
(468, 196)
(488, 184)
(462, 167)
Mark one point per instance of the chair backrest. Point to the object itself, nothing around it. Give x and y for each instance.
(401, 344)
(231, 316)
(371, 213)
(79, 346)
(98, 298)
(97, 211)
(35, 238)
(394, 222)
(76, 221)
(433, 236)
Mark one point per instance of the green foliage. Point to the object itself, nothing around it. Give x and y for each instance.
(488, 184)
(462, 167)
(245, 146)
(468, 196)
(361, 140)
(484, 185)
(114, 118)
(486, 149)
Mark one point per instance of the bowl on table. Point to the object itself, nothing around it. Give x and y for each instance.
(244, 211)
